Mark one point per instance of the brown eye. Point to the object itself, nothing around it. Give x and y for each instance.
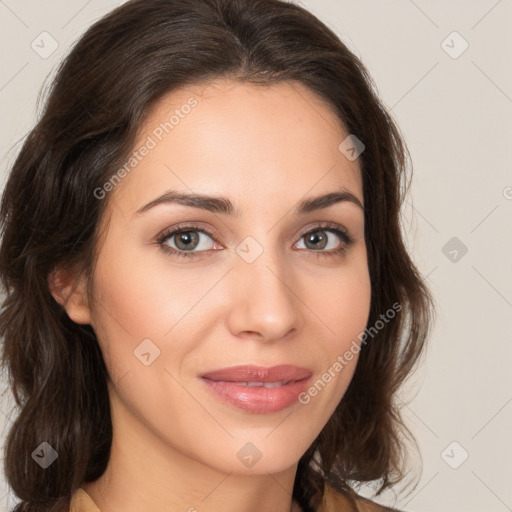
(322, 240)
(184, 240)
(316, 240)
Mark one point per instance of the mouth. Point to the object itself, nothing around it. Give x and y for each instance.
(259, 374)
(263, 384)
(258, 389)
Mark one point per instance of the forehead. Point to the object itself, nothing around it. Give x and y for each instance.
(251, 142)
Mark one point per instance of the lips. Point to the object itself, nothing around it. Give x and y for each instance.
(258, 389)
(250, 373)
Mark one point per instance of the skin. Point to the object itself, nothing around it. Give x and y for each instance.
(175, 444)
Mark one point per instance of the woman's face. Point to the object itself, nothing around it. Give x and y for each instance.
(237, 288)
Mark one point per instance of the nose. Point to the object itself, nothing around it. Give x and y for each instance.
(265, 300)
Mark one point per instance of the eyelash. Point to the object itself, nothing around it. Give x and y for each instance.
(338, 230)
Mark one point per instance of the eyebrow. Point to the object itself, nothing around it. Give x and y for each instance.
(219, 204)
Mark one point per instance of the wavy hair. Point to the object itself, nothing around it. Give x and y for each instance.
(96, 103)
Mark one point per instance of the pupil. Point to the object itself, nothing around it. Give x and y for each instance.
(186, 240)
(315, 237)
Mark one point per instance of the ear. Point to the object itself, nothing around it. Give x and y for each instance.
(70, 292)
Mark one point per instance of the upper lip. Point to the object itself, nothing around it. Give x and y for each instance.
(252, 373)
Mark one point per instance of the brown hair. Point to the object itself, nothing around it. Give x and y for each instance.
(50, 216)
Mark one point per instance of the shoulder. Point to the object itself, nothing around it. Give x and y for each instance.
(333, 501)
(82, 502)
(366, 505)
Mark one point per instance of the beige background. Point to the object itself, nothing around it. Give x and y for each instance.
(455, 111)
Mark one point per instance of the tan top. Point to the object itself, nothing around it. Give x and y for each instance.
(332, 502)
(82, 502)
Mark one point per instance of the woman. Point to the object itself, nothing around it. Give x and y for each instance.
(209, 304)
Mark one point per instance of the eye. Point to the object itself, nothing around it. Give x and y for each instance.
(183, 241)
(322, 240)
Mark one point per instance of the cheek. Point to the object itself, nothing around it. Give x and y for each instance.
(345, 308)
(144, 297)
(345, 301)
(128, 309)
(138, 298)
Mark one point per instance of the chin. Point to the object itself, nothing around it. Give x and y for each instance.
(260, 455)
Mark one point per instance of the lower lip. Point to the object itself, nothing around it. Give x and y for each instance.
(258, 399)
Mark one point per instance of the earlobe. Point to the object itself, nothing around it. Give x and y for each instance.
(70, 293)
